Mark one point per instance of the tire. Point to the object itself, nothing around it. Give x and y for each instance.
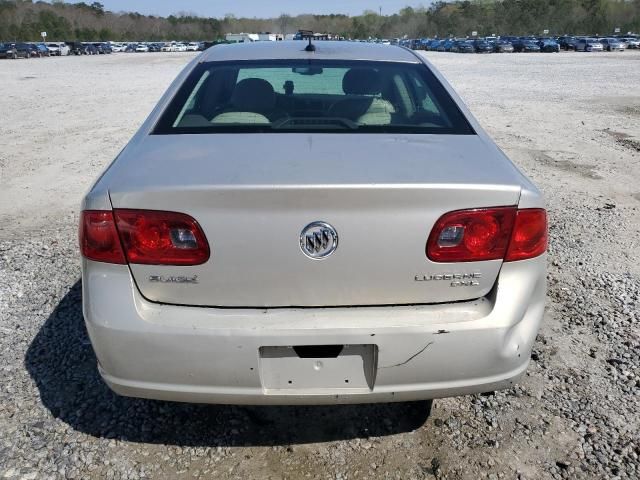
(15, 56)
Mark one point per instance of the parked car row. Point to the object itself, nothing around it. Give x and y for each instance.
(16, 50)
(87, 48)
(485, 45)
(161, 47)
(505, 44)
(508, 44)
(589, 44)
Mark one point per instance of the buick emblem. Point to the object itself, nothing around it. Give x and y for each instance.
(318, 240)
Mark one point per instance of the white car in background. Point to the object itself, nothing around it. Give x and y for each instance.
(142, 48)
(181, 47)
(58, 49)
(589, 45)
(193, 47)
(168, 47)
(633, 43)
(613, 44)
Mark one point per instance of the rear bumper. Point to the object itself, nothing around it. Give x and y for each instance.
(210, 355)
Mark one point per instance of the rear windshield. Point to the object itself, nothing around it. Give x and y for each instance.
(312, 96)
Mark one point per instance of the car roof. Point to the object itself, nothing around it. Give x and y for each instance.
(295, 49)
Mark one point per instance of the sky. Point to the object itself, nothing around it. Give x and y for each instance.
(257, 8)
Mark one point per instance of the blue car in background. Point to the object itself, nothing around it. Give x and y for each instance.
(39, 50)
(463, 46)
(482, 46)
(548, 45)
(445, 46)
(433, 45)
(526, 45)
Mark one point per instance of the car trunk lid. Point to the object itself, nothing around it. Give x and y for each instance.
(253, 196)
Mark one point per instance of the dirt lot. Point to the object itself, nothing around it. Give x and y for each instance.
(570, 121)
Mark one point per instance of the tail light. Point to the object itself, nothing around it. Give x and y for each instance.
(99, 238)
(152, 237)
(488, 234)
(161, 238)
(530, 235)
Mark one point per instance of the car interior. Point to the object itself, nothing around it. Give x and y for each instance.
(317, 97)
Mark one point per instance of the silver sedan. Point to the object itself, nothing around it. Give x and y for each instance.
(309, 224)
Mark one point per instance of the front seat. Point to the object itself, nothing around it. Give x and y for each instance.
(368, 107)
(253, 101)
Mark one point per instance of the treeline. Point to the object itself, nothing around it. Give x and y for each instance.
(460, 18)
(25, 19)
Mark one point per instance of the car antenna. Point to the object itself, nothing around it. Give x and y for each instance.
(311, 47)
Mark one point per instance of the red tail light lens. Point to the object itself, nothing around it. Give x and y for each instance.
(153, 237)
(488, 234)
(530, 235)
(471, 235)
(99, 238)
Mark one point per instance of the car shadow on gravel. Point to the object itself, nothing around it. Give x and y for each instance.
(61, 361)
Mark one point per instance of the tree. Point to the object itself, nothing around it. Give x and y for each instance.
(98, 8)
(25, 19)
(284, 21)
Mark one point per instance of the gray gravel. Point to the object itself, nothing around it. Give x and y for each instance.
(575, 415)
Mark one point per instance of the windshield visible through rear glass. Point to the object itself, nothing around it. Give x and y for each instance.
(312, 96)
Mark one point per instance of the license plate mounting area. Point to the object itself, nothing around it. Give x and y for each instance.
(318, 369)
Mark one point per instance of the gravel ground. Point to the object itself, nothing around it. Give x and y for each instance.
(571, 121)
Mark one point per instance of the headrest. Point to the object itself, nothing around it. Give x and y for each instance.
(362, 81)
(253, 95)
